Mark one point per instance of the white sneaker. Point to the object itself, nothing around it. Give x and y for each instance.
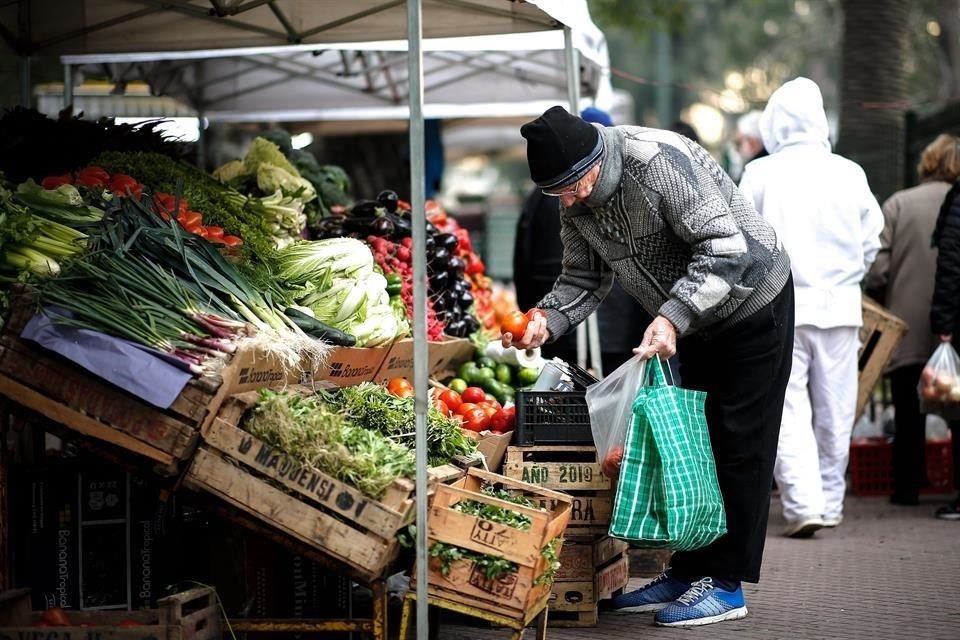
(830, 522)
(804, 527)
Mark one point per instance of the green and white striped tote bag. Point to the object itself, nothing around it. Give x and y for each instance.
(667, 491)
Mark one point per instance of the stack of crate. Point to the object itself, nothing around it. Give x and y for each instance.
(594, 566)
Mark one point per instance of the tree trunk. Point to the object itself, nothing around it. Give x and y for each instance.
(873, 90)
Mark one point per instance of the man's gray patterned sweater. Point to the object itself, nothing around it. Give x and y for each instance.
(676, 232)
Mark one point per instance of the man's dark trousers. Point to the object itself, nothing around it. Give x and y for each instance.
(744, 370)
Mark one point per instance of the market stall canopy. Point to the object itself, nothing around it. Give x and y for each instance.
(55, 27)
(482, 76)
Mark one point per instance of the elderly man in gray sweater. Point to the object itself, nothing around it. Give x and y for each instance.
(655, 211)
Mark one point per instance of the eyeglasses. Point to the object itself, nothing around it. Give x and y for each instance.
(566, 192)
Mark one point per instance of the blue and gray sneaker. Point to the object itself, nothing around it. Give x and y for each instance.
(653, 596)
(702, 604)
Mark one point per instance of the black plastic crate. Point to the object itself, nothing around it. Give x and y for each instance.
(552, 417)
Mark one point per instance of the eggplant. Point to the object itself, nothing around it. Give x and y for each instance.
(439, 256)
(473, 325)
(457, 328)
(432, 230)
(464, 300)
(448, 241)
(456, 266)
(382, 227)
(439, 281)
(402, 227)
(363, 208)
(388, 199)
(459, 285)
(450, 299)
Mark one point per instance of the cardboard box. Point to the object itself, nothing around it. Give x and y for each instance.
(252, 369)
(398, 363)
(441, 357)
(446, 356)
(493, 446)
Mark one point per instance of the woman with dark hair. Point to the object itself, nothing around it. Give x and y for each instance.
(903, 275)
(945, 309)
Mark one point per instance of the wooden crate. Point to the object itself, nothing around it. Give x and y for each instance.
(89, 406)
(512, 595)
(301, 502)
(574, 470)
(590, 571)
(190, 615)
(879, 336)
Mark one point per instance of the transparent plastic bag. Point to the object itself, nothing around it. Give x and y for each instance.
(939, 386)
(610, 404)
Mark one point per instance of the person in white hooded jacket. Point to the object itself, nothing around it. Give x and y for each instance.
(830, 222)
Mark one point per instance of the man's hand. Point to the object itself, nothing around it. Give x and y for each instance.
(535, 335)
(660, 338)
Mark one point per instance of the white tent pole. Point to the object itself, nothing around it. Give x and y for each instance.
(67, 85)
(573, 70)
(419, 223)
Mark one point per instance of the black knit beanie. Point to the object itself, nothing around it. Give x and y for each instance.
(561, 148)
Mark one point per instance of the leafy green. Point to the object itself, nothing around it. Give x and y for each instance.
(376, 408)
(317, 434)
(219, 204)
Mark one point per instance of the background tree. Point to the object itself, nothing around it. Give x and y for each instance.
(874, 95)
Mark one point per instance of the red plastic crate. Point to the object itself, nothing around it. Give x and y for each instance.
(871, 467)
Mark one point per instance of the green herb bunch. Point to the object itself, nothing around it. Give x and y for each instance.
(316, 434)
(376, 408)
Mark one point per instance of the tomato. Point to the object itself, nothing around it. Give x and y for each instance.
(504, 420)
(489, 410)
(465, 407)
(475, 395)
(515, 324)
(190, 219)
(166, 202)
(123, 185)
(400, 387)
(490, 399)
(214, 233)
(55, 617)
(91, 181)
(451, 399)
(610, 466)
(232, 241)
(52, 182)
(442, 407)
(475, 420)
(535, 313)
(94, 171)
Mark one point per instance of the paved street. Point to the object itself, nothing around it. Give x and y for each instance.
(886, 573)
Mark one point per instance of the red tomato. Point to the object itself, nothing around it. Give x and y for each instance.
(503, 421)
(166, 202)
(465, 407)
(475, 395)
(214, 233)
(489, 399)
(52, 182)
(124, 186)
(400, 387)
(451, 398)
(442, 407)
(55, 617)
(91, 181)
(94, 172)
(190, 220)
(534, 313)
(515, 324)
(232, 241)
(610, 466)
(489, 410)
(475, 420)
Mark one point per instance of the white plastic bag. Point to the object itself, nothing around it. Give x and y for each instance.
(610, 404)
(939, 386)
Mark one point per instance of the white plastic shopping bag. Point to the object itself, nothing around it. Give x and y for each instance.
(939, 386)
(610, 404)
